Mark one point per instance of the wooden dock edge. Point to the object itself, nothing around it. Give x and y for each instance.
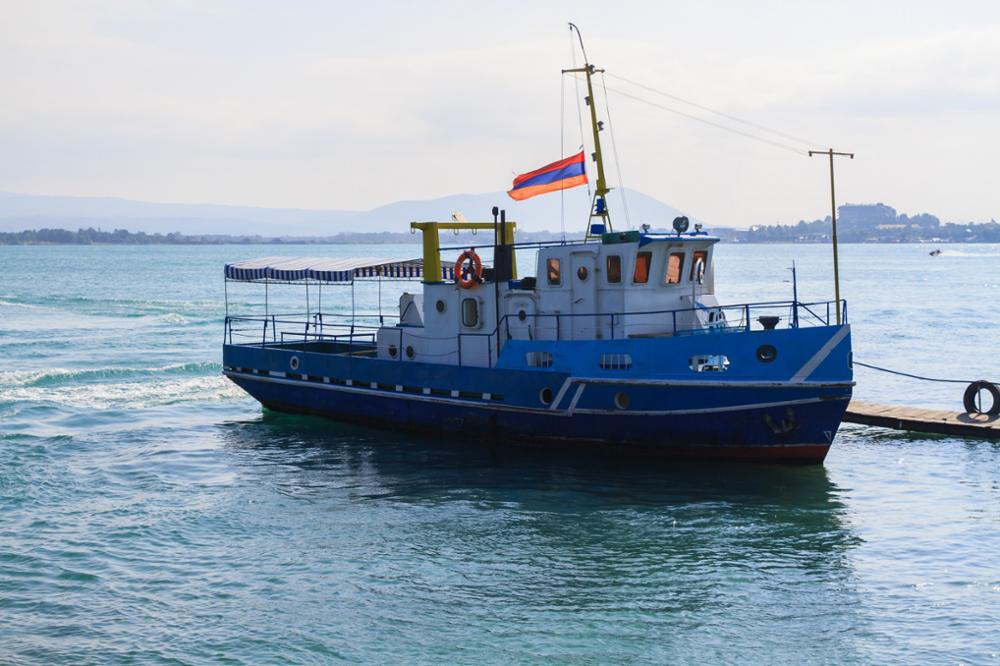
(915, 419)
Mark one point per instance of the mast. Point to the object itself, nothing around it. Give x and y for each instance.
(599, 220)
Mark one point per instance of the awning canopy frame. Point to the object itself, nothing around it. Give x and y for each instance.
(318, 270)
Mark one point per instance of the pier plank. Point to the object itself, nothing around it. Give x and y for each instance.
(901, 417)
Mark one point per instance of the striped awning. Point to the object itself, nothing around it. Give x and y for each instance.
(332, 271)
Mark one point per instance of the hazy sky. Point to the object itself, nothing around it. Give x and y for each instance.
(354, 104)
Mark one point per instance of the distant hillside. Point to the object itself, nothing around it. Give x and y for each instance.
(873, 223)
(19, 212)
(26, 211)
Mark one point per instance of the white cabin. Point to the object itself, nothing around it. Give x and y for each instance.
(630, 285)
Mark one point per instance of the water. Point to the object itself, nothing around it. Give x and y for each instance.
(149, 512)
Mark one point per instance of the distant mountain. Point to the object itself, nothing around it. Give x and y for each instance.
(540, 213)
(26, 211)
(19, 212)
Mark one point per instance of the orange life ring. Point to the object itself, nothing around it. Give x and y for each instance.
(467, 276)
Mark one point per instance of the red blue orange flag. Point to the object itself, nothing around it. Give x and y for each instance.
(561, 175)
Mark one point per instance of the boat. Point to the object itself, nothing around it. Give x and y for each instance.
(935, 253)
(617, 340)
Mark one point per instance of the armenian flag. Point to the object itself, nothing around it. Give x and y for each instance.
(561, 175)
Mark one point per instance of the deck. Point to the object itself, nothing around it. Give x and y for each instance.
(899, 417)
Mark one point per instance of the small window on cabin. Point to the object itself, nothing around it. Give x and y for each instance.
(553, 271)
(614, 268)
(616, 361)
(538, 359)
(699, 261)
(709, 363)
(642, 263)
(675, 267)
(470, 313)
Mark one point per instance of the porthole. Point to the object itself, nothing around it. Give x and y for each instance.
(409, 351)
(293, 363)
(393, 351)
(439, 306)
(622, 400)
(545, 395)
(766, 353)
(582, 273)
(522, 315)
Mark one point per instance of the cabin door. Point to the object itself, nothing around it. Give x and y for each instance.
(519, 324)
(583, 296)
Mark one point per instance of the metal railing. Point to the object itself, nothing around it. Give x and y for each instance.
(279, 328)
(738, 318)
(360, 332)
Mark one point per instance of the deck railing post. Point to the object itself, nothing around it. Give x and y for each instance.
(746, 315)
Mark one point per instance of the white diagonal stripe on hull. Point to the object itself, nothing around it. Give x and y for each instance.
(820, 355)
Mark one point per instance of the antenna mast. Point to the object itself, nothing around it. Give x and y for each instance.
(833, 219)
(599, 221)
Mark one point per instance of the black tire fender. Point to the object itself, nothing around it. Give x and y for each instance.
(969, 399)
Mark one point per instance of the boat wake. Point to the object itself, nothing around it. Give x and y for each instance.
(963, 253)
(52, 377)
(123, 395)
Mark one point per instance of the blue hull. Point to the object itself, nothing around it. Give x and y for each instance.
(757, 411)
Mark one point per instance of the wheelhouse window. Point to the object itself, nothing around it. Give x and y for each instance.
(614, 271)
(675, 267)
(643, 260)
(699, 262)
(553, 271)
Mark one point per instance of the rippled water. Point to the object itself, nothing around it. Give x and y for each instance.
(149, 512)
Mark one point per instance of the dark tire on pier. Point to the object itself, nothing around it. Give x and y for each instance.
(972, 392)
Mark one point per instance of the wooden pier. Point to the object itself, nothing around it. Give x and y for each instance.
(923, 420)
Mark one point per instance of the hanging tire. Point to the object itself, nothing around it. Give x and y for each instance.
(972, 392)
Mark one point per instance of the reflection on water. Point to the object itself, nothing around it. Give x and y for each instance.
(406, 467)
(527, 533)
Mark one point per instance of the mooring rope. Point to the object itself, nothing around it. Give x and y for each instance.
(907, 374)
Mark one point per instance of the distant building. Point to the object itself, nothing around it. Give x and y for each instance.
(865, 216)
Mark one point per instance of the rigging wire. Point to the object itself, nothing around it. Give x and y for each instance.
(614, 149)
(690, 116)
(576, 84)
(790, 137)
(562, 153)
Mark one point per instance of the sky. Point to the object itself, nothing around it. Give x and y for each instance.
(348, 105)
